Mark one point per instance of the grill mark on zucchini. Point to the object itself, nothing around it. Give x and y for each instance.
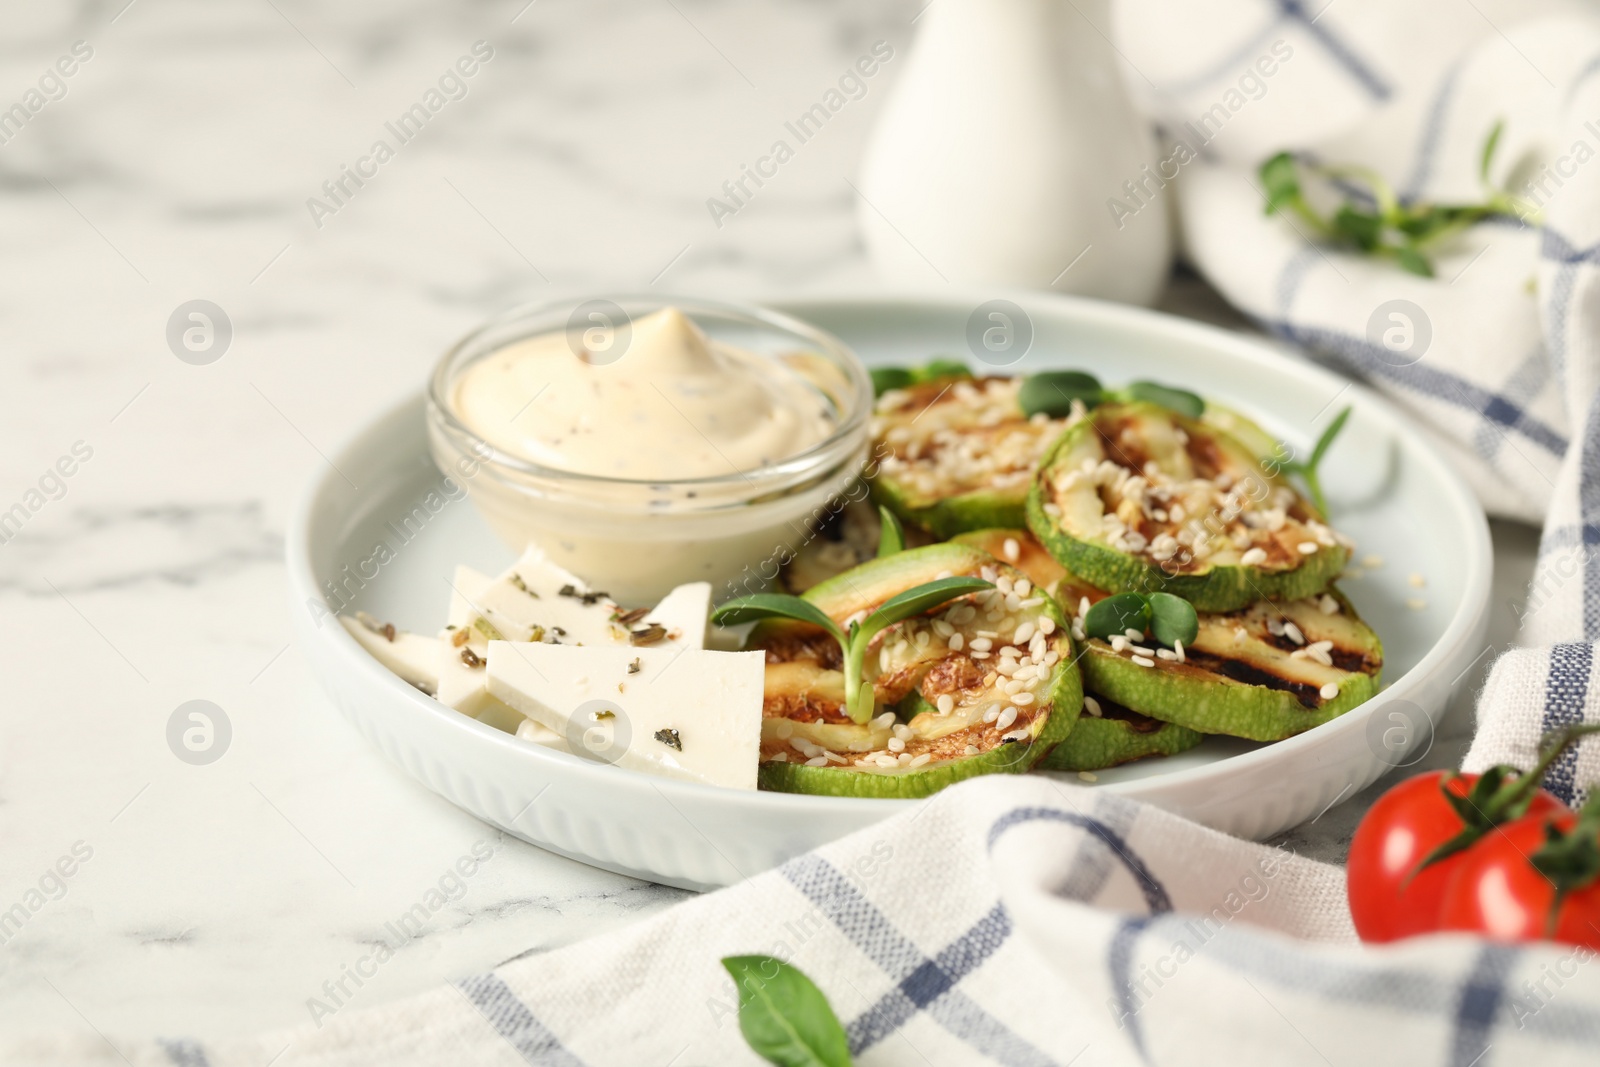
(1250, 674)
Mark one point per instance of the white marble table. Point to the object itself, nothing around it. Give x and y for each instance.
(177, 166)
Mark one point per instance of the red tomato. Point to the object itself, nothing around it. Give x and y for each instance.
(1407, 823)
(1497, 893)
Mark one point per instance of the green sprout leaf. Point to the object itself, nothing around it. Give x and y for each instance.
(1180, 400)
(1308, 470)
(892, 536)
(1362, 228)
(775, 606)
(859, 700)
(1281, 181)
(941, 367)
(784, 1017)
(1490, 144)
(1172, 619)
(1053, 392)
(1115, 615)
(887, 378)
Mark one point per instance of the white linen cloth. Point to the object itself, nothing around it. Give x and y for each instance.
(1024, 921)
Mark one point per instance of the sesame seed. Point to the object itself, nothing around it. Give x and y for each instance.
(981, 644)
(902, 731)
(884, 721)
(1240, 635)
(1006, 718)
(1292, 632)
(1134, 635)
(896, 745)
(1118, 643)
(1166, 653)
(1327, 604)
(1177, 651)
(1417, 581)
(817, 761)
(1092, 706)
(1087, 776)
(980, 655)
(1016, 735)
(947, 704)
(971, 750)
(1372, 562)
(1307, 548)
(1253, 557)
(1023, 587)
(1022, 699)
(1024, 632)
(992, 714)
(903, 759)
(1416, 603)
(1329, 691)
(920, 761)
(1144, 661)
(1011, 550)
(1047, 625)
(1083, 606)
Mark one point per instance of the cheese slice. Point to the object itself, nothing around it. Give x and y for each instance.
(461, 684)
(542, 735)
(414, 657)
(680, 713)
(535, 600)
(684, 613)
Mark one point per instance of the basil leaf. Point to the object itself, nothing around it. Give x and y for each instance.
(774, 606)
(891, 537)
(1180, 400)
(887, 378)
(1115, 615)
(1054, 391)
(784, 1017)
(1359, 226)
(1281, 181)
(1172, 619)
(941, 368)
(1411, 260)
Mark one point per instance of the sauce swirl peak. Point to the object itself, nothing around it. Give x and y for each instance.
(673, 405)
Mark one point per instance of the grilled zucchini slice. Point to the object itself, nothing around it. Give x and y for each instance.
(1264, 672)
(1137, 497)
(958, 454)
(1117, 736)
(962, 657)
(1019, 548)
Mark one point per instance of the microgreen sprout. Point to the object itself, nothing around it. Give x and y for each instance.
(859, 699)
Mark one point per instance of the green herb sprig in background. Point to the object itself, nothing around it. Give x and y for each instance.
(1388, 229)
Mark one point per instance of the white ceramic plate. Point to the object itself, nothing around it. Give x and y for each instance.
(1387, 489)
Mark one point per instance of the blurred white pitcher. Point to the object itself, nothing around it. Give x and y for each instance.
(1000, 149)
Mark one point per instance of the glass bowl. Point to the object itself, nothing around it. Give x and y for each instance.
(637, 539)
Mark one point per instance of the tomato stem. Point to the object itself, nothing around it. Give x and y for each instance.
(1500, 794)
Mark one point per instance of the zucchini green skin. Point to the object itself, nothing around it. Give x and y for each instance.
(1217, 588)
(1253, 712)
(871, 584)
(1097, 743)
(954, 514)
(1015, 758)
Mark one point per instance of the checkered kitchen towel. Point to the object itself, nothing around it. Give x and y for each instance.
(1499, 355)
(1023, 921)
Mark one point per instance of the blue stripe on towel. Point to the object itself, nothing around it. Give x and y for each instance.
(1432, 129)
(1155, 894)
(512, 1020)
(1482, 996)
(921, 983)
(1341, 52)
(1119, 962)
(184, 1052)
(1566, 691)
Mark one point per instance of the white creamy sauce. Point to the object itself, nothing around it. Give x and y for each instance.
(674, 405)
